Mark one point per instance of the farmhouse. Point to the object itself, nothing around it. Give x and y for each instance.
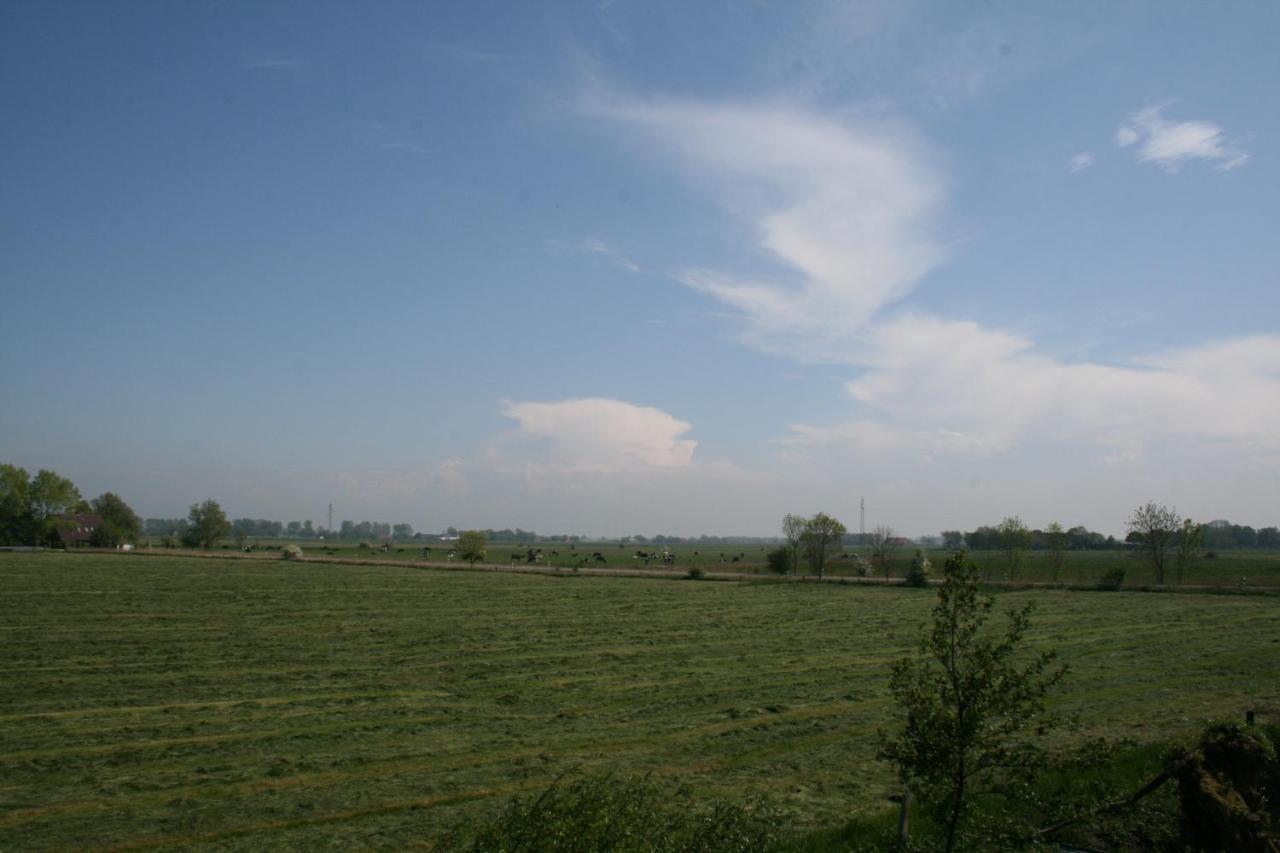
(76, 531)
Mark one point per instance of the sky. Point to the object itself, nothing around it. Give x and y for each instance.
(633, 267)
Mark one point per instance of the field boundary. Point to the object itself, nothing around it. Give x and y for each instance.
(661, 574)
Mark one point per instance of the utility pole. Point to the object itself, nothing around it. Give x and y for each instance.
(862, 517)
(331, 517)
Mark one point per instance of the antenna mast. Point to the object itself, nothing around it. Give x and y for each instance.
(862, 516)
(330, 517)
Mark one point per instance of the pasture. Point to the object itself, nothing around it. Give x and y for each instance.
(171, 701)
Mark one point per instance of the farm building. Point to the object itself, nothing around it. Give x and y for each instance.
(76, 531)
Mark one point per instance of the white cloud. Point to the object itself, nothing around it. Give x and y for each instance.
(846, 207)
(956, 387)
(599, 434)
(1172, 143)
(1081, 161)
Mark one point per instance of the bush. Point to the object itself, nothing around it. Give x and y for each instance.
(621, 815)
(861, 567)
(1112, 579)
(291, 552)
(695, 574)
(364, 546)
(918, 572)
(779, 561)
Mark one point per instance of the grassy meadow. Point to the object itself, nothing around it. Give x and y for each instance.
(159, 702)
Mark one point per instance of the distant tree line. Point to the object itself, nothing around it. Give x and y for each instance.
(994, 537)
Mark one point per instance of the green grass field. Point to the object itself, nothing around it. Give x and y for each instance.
(170, 701)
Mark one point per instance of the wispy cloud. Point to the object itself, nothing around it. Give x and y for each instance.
(1170, 144)
(1081, 161)
(596, 246)
(846, 208)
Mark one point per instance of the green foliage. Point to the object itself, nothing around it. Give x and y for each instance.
(29, 506)
(1055, 539)
(207, 524)
(1112, 579)
(291, 552)
(695, 573)
(779, 561)
(1015, 539)
(471, 545)
(120, 523)
(918, 574)
(968, 702)
(821, 534)
(1190, 541)
(622, 815)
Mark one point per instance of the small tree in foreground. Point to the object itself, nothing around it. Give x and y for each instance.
(1055, 538)
(1190, 541)
(471, 545)
(972, 707)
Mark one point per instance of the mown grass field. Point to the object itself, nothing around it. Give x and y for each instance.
(152, 702)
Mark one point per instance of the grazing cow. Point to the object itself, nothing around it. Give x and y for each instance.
(599, 558)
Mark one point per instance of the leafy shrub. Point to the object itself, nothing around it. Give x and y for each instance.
(918, 572)
(695, 573)
(624, 815)
(364, 546)
(861, 567)
(779, 561)
(291, 552)
(1112, 579)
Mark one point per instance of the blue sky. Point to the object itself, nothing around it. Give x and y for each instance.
(633, 267)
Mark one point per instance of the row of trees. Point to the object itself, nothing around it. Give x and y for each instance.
(813, 538)
(35, 510)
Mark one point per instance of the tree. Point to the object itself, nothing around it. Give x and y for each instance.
(1190, 540)
(1014, 539)
(953, 538)
(1158, 527)
(883, 543)
(1056, 540)
(471, 545)
(971, 708)
(15, 506)
(779, 561)
(119, 524)
(49, 496)
(821, 533)
(793, 532)
(207, 523)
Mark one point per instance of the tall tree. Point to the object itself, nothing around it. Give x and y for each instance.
(1157, 527)
(50, 496)
(1190, 540)
(15, 506)
(793, 533)
(1055, 538)
(821, 534)
(120, 523)
(207, 524)
(973, 703)
(883, 543)
(1014, 540)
